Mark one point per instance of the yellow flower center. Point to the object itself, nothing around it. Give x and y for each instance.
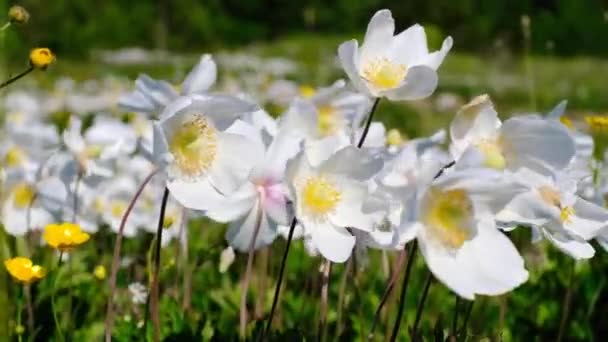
(328, 122)
(449, 216)
(307, 91)
(14, 157)
(320, 196)
(383, 73)
(394, 137)
(552, 197)
(117, 208)
(492, 154)
(566, 122)
(168, 221)
(23, 195)
(194, 147)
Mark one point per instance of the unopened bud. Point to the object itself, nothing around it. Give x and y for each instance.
(18, 15)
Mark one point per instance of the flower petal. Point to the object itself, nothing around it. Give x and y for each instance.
(202, 76)
(334, 243)
(420, 82)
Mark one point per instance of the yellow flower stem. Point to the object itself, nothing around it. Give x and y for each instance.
(53, 305)
(17, 77)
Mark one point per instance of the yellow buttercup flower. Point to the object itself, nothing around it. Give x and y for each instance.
(41, 58)
(65, 236)
(23, 270)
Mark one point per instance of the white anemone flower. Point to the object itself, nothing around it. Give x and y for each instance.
(203, 146)
(453, 222)
(151, 96)
(331, 197)
(552, 208)
(113, 202)
(30, 205)
(261, 203)
(479, 138)
(397, 67)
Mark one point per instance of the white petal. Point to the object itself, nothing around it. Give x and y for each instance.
(334, 243)
(233, 206)
(588, 219)
(420, 82)
(354, 163)
(198, 195)
(576, 249)
(532, 143)
(348, 52)
(409, 47)
(379, 35)
(235, 157)
(435, 59)
(202, 76)
(240, 233)
(349, 212)
(51, 193)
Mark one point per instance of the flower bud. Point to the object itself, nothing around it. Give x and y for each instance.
(41, 58)
(18, 15)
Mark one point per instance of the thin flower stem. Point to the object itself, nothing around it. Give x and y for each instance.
(277, 288)
(324, 300)
(341, 295)
(388, 291)
(17, 77)
(154, 292)
(410, 263)
(76, 188)
(463, 328)
(566, 304)
(5, 26)
(368, 123)
(247, 278)
(19, 305)
(30, 308)
(53, 305)
(116, 256)
(427, 285)
(454, 331)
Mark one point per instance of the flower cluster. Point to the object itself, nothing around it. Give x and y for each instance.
(323, 171)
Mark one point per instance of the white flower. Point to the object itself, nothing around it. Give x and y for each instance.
(397, 67)
(552, 207)
(453, 221)
(139, 293)
(200, 142)
(151, 96)
(261, 203)
(330, 197)
(479, 138)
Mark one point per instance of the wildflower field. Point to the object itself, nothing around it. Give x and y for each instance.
(376, 187)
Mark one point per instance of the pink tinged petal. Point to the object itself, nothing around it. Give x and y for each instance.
(538, 144)
(202, 76)
(241, 232)
(420, 82)
(574, 248)
(194, 195)
(334, 243)
(348, 52)
(379, 35)
(274, 203)
(235, 157)
(409, 47)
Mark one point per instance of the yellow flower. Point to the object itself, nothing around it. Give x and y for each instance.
(65, 236)
(100, 272)
(23, 270)
(18, 15)
(41, 58)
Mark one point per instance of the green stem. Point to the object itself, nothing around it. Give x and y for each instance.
(5, 26)
(427, 285)
(406, 277)
(53, 305)
(19, 327)
(18, 76)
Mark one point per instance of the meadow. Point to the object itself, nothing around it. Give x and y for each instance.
(201, 284)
